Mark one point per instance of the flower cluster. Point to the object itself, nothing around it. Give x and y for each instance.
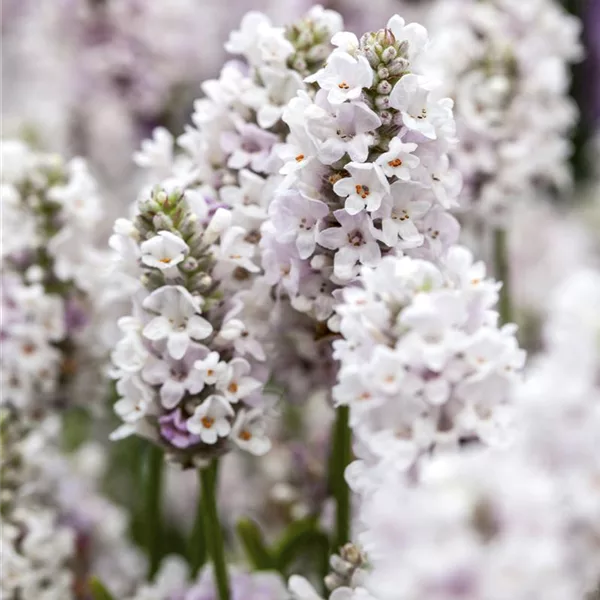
(50, 211)
(366, 168)
(188, 364)
(519, 521)
(172, 583)
(57, 529)
(483, 526)
(506, 64)
(424, 364)
(559, 413)
(229, 156)
(36, 547)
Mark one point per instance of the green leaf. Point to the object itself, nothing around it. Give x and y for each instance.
(99, 592)
(303, 538)
(254, 545)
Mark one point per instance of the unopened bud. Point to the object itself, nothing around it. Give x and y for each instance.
(189, 264)
(162, 222)
(201, 282)
(382, 72)
(332, 582)
(403, 48)
(340, 566)
(397, 66)
(351, 554)
(384, 87)
(382, 102)
(388, 54)
(372, 56)
(318, 53)
(299, 64)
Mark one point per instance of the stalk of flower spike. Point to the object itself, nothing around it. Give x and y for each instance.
(50, 212)
(366, 175)
(503, 274)
(212, 528)
(366, 169)
(188, 381)
(153, 492)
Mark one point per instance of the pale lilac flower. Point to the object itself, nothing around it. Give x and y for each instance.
(175, 377)
(211, 419)
(251, 146)
(353, 241)
(344, 77)
(236, 382)
(164, 251)
(174, 429)
(178, 319)
(366, 187)
(249, 433)
(419, 111)
(295, 217)
(211, 368)
(398, 161)
(400, 216)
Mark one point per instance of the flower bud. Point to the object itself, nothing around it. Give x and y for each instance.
(384, 88)
(189, 264)
(382, 102)
(318, 53)
(201, 283)
(162, 222)
(372, 56)
(333, 581)
(388, 54)
(397, 66)
(299, 64)
(382, 72)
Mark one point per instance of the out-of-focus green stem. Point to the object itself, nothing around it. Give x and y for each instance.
(341, 454)
(152, 507)
(212, 528)
(502, 272)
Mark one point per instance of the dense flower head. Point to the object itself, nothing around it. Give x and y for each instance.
(366, 168)
(228, 157)
(50, 211)
(506, 65)
(559, 413)
(188, 363)
(57, 529)
(483, 526)
(424, 365)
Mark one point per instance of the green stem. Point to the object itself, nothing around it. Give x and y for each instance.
(502, 272)
(341, 455)
(152, 502)
(212, 528)
(197, 547)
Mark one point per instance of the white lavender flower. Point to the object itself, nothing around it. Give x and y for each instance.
(50, 211)
(423, 363)
(188, 365)
(366, 168)
(506, 65)
(57, 529)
